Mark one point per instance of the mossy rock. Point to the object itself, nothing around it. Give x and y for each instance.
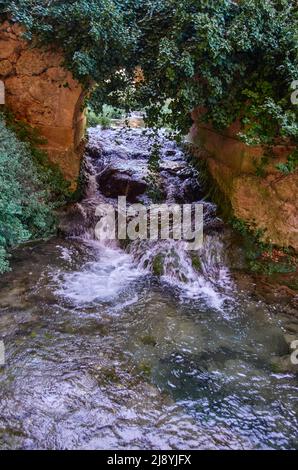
(196, 262)
(148, 340)
(145, 369)
(158, 265)
(110, 374)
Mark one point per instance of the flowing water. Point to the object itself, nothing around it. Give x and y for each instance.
(144, 346)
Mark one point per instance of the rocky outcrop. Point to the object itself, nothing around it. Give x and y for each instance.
(41, 92)
(268, 202)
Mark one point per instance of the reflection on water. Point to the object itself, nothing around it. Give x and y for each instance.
(102, 354)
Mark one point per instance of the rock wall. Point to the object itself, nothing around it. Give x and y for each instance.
(269, 202)
(42, 93)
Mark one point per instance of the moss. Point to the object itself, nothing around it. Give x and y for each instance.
(275, 368)
(158, 265)
(270, 268)
(110, 374)
(292, 284)
(148, 340)
(196, 262)
(49, 336)
(145, 369)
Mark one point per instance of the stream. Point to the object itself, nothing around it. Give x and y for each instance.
(143, 345)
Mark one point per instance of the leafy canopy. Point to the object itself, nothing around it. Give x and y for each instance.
(232, 59)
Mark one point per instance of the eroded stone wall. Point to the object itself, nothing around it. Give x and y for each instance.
(44, 94)
(269, 202)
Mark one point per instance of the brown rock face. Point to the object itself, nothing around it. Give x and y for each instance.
(269, 202)
(42, 93)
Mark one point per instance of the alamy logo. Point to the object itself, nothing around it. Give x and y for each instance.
(2, 353)
(294, 355)
(155, 222)
(294, 95)
(2, 92)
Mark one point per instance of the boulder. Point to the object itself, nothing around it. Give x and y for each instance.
(114, 183)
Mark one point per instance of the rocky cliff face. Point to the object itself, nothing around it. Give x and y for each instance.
(269, 202)
(45, 95)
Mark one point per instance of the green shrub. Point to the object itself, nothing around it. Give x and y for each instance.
(104, 119)
(94, 120)
(112, 112)
(263, 257)
(30, 189)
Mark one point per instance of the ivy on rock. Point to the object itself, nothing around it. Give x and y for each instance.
(233, 60)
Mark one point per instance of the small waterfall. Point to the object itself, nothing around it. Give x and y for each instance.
(116, 164)
(102, 279)
(201, 275)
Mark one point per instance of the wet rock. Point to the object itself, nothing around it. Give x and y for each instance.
(211, 221)
(174, 167)
(14, 297)
(73, 220)
(170, 152)
(191, 191)
(292, 328)
(93, 149)
(281, 365)
(290, 338)
(113, 183)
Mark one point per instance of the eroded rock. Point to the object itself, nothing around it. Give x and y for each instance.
(42, 93)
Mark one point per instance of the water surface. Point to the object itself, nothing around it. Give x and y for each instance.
(101, 353)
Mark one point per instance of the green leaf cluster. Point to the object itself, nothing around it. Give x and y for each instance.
(30, 190)
(232, 60)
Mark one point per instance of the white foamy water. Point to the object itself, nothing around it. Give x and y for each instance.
(205, 278)
(100, 280)
(113, 271)
(211, 283)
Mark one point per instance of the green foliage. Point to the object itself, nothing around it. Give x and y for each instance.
(291, 165)
(255, 247)
(104, 119)
(235, 60)
(29, 190)
(196, 261)
(113, 113)
(98, 37)
(94, 120)
(51, 177)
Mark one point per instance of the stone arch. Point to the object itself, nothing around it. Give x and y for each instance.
(41, 92)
